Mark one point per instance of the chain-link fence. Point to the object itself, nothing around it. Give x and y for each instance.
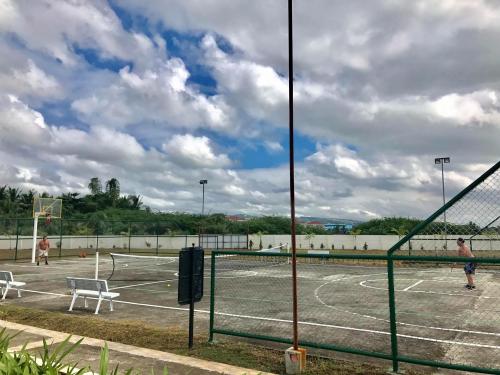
(436, 303)
(73, 237)
(344, 305)
(473, 215)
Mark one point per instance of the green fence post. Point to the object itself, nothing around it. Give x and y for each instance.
(17, 239)
(212, 298)
(60, 236)
(392, 314)
(129, 235)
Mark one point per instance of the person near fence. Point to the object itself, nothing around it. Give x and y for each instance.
(470, 267)
(43, 250)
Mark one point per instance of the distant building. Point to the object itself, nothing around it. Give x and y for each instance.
(338, 227)
(313, 224)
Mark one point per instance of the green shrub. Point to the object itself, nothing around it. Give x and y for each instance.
(50, 361)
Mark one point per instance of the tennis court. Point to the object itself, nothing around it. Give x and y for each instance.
(339, 304)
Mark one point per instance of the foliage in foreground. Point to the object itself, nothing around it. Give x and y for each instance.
(50, 361)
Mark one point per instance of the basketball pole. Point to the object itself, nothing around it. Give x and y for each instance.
(35, 233)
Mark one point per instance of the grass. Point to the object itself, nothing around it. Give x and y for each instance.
(174, 340)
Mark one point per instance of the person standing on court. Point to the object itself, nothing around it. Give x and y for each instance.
(470, 267)
(43, 250)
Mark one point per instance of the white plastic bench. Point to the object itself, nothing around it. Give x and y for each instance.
(81, 287)
(7, 282)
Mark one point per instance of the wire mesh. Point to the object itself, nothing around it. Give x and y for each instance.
(253, 296)
(438, 318)
(447, 311)
(475, 217)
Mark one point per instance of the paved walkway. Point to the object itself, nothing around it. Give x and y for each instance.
(141, 359)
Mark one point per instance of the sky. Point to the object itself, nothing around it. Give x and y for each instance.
(162, 93)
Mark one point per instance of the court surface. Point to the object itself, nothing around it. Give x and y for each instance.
(340, 304)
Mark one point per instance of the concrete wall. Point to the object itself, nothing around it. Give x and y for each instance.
(377, 242)
(105, 242)
(374, 242)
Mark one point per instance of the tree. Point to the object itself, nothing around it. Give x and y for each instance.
(400, 231)
(113, 190)
(309, 237)
(95, 186)
(355, 233)
(134, 201)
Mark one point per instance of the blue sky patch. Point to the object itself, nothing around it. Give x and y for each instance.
(93, 58)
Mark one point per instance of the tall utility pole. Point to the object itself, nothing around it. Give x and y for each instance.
(292, 174)
(203, 183)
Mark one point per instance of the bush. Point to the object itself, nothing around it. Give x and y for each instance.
(50, 360)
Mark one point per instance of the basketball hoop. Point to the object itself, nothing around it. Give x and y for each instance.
(48, 219)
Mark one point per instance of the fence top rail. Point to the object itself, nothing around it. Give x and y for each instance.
(384, 257)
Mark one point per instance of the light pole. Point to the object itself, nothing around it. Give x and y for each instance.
(442, 162)
(203, 183)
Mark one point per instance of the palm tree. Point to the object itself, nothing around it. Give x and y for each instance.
(260, 233)
(355, 233)
(95, 186)
(134, 201)
(3, 192)
(113, 190)
(13, 194)
(401, 231)
(309, 237)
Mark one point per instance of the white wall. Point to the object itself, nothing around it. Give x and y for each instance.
(375, 242)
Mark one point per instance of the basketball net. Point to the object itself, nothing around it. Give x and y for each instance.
(48, 219)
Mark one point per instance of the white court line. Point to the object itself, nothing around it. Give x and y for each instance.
(286, 321)
(413, 285)
(363, 283)
(316, 296)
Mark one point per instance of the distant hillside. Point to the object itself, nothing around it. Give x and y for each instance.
(325, 220)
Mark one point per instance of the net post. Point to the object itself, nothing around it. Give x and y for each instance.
(129, 235)
(60, 236)
(17, 239)
(97, 265)
(97, 235)
(212, 297)
(157, 230)
(35, 233)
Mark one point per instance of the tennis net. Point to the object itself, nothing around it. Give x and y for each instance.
(127, 267)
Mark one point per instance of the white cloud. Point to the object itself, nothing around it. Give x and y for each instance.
(273, 147)
(160, 96)
(478, 107)
(234, 190)
(383, 91)
(194, 152)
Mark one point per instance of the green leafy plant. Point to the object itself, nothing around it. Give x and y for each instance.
(51, 359)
